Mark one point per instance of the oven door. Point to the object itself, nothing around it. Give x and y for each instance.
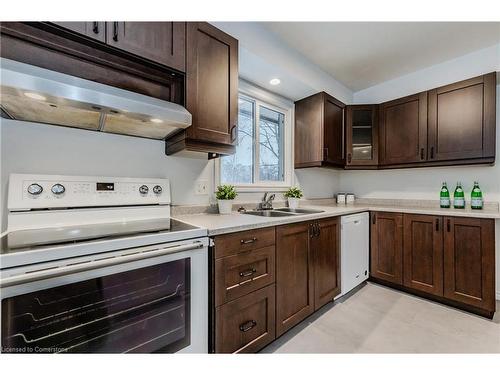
(143, 300)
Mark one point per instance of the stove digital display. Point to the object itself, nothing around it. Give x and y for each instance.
(105, 186)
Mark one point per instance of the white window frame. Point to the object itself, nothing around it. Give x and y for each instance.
(261, 97)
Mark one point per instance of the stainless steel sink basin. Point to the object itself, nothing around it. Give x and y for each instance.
(268, 213)
(298, 211)
(280, 212)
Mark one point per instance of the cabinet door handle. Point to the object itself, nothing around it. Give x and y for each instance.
(448, 225)
(437, 225)
(374, 219)
(95, 27)
(349, 158)
(432, 152)
(248, 272)
(115, 31)
(421, 154)
(325, 152)
(318, 230)
(311, 230)
(247, 326)
(246, 242)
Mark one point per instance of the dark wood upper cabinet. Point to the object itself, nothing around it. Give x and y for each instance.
(386, 254)
(325, 248)
(361, 135)
(462, 120)
(469, 261)
(423, 253)
(55, 48)
(319, 131)
(161, 42)
(95, 30)
(211, 91)
(294, 281)
(403, 130)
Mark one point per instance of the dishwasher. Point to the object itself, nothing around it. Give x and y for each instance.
(355, 250)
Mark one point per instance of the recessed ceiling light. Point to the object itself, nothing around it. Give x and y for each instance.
(34, 95)
(275, 81)
(156, 120)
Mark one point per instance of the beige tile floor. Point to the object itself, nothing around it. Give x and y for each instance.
(376, 319)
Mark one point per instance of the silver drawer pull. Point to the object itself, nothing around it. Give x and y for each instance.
(248, 272)
(247, 326)
(245, 242)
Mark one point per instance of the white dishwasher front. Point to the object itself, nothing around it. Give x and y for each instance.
(355, 250)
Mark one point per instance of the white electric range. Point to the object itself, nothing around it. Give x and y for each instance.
(97, 265)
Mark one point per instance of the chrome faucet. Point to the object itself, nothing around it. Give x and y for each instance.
(267, 202)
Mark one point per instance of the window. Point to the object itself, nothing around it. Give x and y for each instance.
(263, 152)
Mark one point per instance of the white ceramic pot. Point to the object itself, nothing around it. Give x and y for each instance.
(293, 202)
(225, 206)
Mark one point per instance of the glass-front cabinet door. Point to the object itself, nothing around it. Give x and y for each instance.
(361, 135)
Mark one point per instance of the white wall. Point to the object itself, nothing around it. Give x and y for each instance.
(263, 55)
(471, 65)
(36, 148)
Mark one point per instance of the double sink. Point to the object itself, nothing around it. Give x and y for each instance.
(281, 212)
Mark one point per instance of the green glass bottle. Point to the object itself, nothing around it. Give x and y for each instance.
(459, 197)
(476, 197)
(444, 196)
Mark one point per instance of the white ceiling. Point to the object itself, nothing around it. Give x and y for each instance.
(363, 54)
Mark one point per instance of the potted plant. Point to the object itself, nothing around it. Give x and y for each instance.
(225, 195)
(293, 194)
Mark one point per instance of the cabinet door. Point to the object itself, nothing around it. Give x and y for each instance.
(161, 42)
(294, 282)
(325, 248)
(403, 130)
(212, 83)
(361, 132)
(462, 119)
(386, 253)
(333, 127)
(94, 30)
(469, 261)
(309, 147)
(423, 253)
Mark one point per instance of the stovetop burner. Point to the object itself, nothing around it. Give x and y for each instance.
(30, 239)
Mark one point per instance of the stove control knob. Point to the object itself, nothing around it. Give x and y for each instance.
(157, 189)
(35, 189)
(143, 190)
(58, 189)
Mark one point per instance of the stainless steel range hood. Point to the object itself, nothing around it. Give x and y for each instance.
(30, 93)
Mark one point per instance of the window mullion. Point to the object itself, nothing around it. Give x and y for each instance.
(256, 146)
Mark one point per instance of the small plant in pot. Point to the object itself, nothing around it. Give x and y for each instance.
(293, 195)
(225, 195)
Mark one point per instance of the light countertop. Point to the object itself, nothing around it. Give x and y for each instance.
(220, 224)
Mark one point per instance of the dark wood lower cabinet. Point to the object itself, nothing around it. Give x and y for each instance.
(386, 255)
(265, 281)
(325, 248)
(294, 282)
(423, 253)
(247, 324)
(469, 261)
(448, 259)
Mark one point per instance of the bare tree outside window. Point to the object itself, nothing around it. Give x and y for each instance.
(259, 138)
(271, 145)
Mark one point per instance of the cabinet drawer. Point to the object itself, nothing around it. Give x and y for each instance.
(240, 274)
(246, 324)
(235, 243)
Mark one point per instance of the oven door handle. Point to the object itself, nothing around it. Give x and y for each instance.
(94, 264)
